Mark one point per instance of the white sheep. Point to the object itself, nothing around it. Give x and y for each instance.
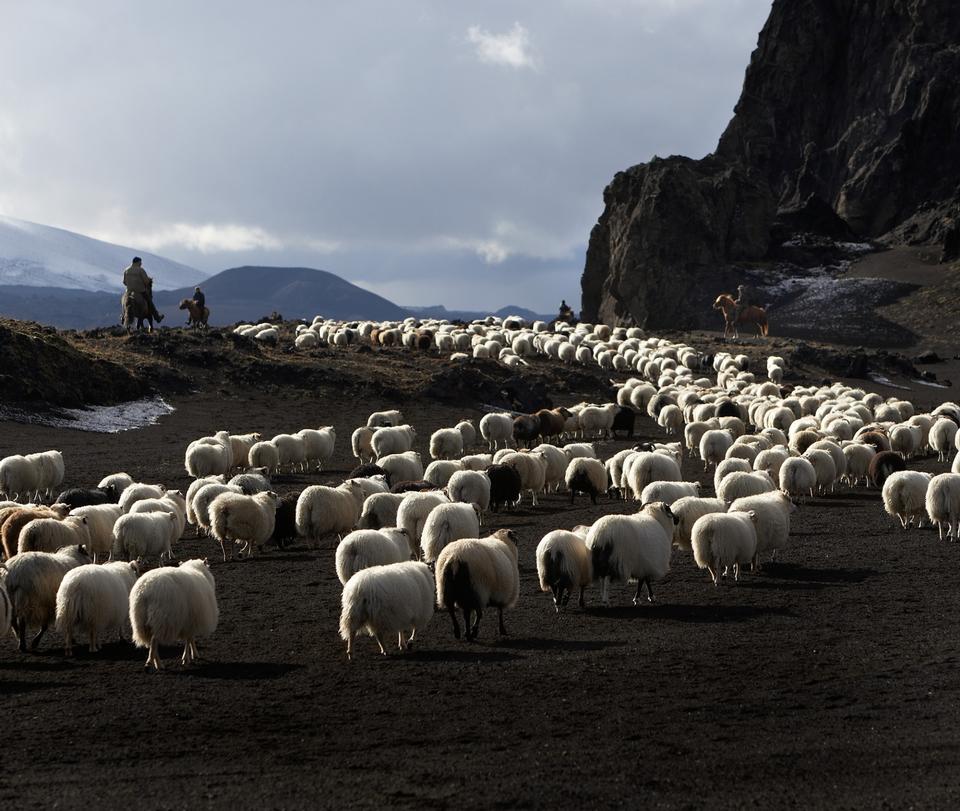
(32, 581)
(51, 534)
(95, 599)
(904, 496)
(943, 434)
(249, 520)
(203, 498)
(770, 461)
(824, 466)
(360, 443)
(943, 503)
(381, 419)
(115, 483)
(319, 444)
(364, 548)
(468, 433)
(532, 467)
(721, 540)
(264, 454)
(394, 599)
(192, 489)
(204, 459)
(19, 477)
(585, 475)
(714, 445)
(413, 511)
(372, 484)
(392, 440)
(858, 455)
(647, 467)
(144, 535)
(250, 483)
(438, 472)
(669, 492)
(687, 510)
(403, 467)
(240, 445)
(100, 520)
(563, 564)
(324, 510)
(631, 547)
(738, 484)
(139, 491)
(172, 502)
(798, 478)
(474, 573)
(50, 470)
(477, 461)
(557, 462)
(446, 523)
(670, 419)
(170, 605)
(380, 510)
(573, 450)
(293, 452)
(470, 487)
(497, 428)
(772, 519)
(446, 443)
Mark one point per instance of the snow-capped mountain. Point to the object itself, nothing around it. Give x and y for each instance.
(42, 256)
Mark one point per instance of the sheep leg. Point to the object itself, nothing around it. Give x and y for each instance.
(36, 640)
(556, 598)
(21, 629)
(67, 642)
(456, 625)
(350, 648)
(736, 572)
(383, 650)
(580, 601)
(503, 628)
(187, 658)
(649, 592)
(476, 625)
(714, 573)
(636, 597)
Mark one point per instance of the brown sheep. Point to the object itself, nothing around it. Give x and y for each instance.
(425, 340)
(552, 422)
(10, 534)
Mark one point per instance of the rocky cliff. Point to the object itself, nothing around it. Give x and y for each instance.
(847, 129)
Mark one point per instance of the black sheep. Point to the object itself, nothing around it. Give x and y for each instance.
(78, 497)
(504, 485)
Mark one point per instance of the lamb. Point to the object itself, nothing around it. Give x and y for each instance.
(584, 475)
(51, 534)
(446, 523)
(319, 444)
(413, 511)
(468, 433)
(687, 510)
(669, 492)
(265, 455)
(361, 443)
(714, 445)
(241, 518)
(18, 477)
(632, 547)
(497, 428)
(292, 450)
(398, 598)
(882, 465)
(439, 472)
(203, 459)
(943, 503)
(470, 487)
(18, 518)
(143, 535)
(532, 468)
(446, 443)
(100, 519)
(380, 510)
(95, 599)
(720, 540)
(170, 605)
(364, 548)
(380, 419)
(393, 440)
(115, 484)
(773, 519)
(475, 573)
(904, 496)
(325, 510)
(32, 582)
(203, 498)
(250, 483)
(798, 477)
(739, 485)
(563, 563)
(137, 492)
(572, 450)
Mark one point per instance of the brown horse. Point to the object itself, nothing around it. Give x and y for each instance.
(135, 306)
(749, 315)
(197, 315)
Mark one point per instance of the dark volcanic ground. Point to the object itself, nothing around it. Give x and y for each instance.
(829, 679)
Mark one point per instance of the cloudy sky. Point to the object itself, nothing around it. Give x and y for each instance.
(431, 151)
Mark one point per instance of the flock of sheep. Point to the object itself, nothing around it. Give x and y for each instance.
(410, 536)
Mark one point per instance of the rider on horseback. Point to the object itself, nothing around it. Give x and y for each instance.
(742, 301)
(140, 286)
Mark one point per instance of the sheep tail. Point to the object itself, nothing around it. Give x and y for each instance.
(455, 582)
(353, 617)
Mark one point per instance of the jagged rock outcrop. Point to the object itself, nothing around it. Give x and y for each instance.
(847, 126)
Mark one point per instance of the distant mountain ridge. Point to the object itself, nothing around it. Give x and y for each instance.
(33, 255)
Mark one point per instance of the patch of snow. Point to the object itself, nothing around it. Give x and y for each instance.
(99, 419)
(931, 384)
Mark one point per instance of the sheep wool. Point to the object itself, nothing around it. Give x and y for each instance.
(364, 548)
(447, 523)
(94, 599)
(722, 540)
(563, 564)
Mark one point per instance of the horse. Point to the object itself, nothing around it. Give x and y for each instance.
(749, 315)
(197, 315)
(135, 306)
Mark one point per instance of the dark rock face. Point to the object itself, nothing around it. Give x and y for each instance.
(847, 126)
